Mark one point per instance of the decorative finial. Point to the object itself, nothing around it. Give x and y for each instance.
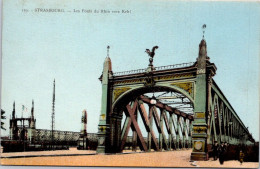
(203, 28)
(108, 47)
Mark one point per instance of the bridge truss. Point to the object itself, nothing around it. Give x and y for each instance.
(173, 126)
(195, 114)
(224, 125)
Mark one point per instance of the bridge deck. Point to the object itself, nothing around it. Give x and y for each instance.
(178, 158)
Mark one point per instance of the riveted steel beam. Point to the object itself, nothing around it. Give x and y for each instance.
(167, 108)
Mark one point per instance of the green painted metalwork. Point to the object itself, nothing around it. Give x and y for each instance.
(214, 117)
(103, 126)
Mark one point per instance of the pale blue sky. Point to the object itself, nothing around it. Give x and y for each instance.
(71, 47)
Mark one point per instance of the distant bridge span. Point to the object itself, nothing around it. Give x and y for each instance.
(181, 104)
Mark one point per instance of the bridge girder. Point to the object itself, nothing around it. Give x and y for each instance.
(231, 128)
(174, 130)
(213, 116)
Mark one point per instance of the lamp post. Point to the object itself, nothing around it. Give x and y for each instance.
(153, 100)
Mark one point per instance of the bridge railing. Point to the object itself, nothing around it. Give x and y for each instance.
(129, 72)
(182, 65)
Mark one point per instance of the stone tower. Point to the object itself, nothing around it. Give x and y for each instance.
(201, 106)
(103, 126)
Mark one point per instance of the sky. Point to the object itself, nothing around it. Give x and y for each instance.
(70, 47)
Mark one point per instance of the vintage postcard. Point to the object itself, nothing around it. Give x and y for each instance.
(141, 83)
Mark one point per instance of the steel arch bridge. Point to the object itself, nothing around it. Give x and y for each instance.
(207, 117)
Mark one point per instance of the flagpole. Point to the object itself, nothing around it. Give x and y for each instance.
(22, 110)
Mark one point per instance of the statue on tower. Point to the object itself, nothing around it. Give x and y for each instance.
(151, 54)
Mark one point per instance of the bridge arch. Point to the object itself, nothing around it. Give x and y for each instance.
(173, 128)
(135, 92)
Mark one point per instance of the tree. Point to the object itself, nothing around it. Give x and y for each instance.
(2, 117)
